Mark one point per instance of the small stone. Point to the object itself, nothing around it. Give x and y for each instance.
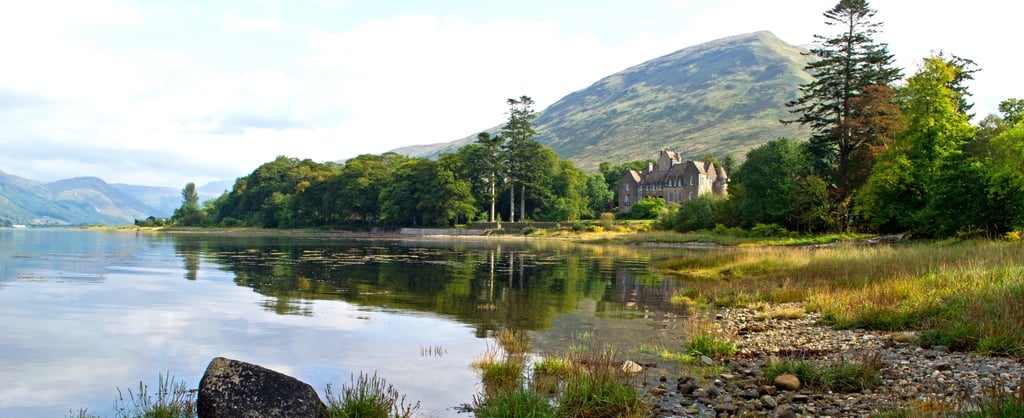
(787, 382)
(799, 397)
(904, 337)
(706, 361)
(728, 376)
(686, 388)
(630, 367)
(658, 391)
(712, 392)
(940, 349)
(769, 402)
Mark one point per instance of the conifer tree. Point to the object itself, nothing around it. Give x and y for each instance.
(845, 66)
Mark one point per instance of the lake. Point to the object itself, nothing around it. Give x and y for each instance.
(87, 312)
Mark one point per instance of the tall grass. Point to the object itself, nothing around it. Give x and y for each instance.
(368, 396)
(577, 384)
(171, 400)
(965, 295)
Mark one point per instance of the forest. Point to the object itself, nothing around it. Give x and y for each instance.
(887, 153)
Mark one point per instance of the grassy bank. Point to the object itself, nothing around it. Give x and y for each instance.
(965, 295)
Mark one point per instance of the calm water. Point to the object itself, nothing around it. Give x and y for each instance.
(86, 312)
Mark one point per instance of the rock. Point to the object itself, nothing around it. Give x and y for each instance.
(787, 382)
(232, 388)
(706, 361)
(658, 391)
(686, 388)
(631, 367)
(904, 337)
(768, 402)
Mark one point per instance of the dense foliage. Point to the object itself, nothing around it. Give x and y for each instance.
(478, 182)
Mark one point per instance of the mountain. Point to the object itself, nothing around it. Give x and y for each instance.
(722, 97)
(80, 201)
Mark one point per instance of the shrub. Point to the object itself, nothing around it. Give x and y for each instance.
(768, 231)
(607, 219)
(528, 230)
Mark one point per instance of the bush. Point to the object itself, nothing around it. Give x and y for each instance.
(648, 208)
(528, 230)
(607, 219)
(768, 231)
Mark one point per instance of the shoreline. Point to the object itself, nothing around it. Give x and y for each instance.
(911, 375)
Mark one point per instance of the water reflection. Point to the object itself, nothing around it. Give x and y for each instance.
(488, 285)
(85, 312)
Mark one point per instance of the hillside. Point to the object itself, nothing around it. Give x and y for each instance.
(81, 200)
(721, 97)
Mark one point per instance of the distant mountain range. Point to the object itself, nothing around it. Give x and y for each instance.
(722, 97)
(86, 201)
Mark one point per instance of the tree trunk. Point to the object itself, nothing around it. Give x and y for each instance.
(511, 201)
(522, 202)
(492, 199)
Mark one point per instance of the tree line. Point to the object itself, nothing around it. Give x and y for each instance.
(501, 176)
(886, 154)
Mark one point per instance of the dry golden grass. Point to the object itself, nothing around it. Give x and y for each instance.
(969, 293)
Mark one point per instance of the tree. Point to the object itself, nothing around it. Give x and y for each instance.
(188, 214)
(770, 176)
(490, 162)
(1013, 111)
(598, 193)
(518, 133)
(846, 65)
(900, 193)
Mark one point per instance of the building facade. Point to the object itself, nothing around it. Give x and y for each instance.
(673, 180)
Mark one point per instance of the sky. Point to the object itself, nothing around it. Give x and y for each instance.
(164, 93)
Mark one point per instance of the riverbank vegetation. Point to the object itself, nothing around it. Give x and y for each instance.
(965, 295)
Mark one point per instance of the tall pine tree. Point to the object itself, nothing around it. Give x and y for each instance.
(846, 65)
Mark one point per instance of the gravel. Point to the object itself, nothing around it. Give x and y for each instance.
(910, 373)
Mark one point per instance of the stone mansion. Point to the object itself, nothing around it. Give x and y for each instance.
(672, 180)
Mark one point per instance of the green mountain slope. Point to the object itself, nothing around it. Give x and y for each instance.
(721, 97)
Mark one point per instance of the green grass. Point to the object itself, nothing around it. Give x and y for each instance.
(600, 395)
(170, 400)
(709, 344)
(840, 377)
(368, 396)
(519, 403)
(578, 384)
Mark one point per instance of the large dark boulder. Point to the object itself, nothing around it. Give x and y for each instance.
(232, 388)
